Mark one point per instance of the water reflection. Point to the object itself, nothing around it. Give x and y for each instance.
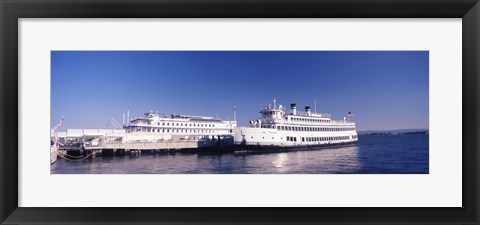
(374, 154)
(330, 160)
(335, 160)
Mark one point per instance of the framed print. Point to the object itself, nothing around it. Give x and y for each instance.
(239, 112)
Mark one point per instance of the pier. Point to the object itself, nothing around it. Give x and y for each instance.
(80, 144)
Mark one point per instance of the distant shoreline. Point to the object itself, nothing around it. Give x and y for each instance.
(394, 132)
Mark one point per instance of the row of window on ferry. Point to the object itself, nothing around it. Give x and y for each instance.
(308, 120)
(293, 128)
(314, 139)
(188, 124)
(138, 129)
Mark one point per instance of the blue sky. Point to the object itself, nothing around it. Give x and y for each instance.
(385, 89)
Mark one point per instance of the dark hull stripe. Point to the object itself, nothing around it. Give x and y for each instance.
(270, 148)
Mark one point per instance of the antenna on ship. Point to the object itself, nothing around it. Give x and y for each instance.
(128, 117)
(274, 103)
(315, 105)
(234, 113)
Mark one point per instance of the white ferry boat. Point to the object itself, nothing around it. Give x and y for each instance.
(278, 130)
(155, 126)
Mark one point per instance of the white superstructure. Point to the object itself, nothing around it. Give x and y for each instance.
(277, 129)
(178, 127)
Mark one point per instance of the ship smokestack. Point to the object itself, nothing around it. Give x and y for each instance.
(293, 106)
(307, 110)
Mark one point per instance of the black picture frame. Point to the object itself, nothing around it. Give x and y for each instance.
(12, 10)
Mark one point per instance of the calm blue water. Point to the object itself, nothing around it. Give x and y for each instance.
(374, 154)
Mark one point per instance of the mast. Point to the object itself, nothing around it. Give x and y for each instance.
(234, 114)
(128, 118)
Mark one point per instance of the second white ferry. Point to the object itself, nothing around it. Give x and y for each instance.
(277, 130)
(156, 126)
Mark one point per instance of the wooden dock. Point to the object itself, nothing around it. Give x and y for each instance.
(105, 148)
(81, 144)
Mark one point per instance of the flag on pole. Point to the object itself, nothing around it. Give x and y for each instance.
(60, 122)
(350, 114)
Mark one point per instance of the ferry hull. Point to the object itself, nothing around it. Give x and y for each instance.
(258, 139)
(274, 148)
